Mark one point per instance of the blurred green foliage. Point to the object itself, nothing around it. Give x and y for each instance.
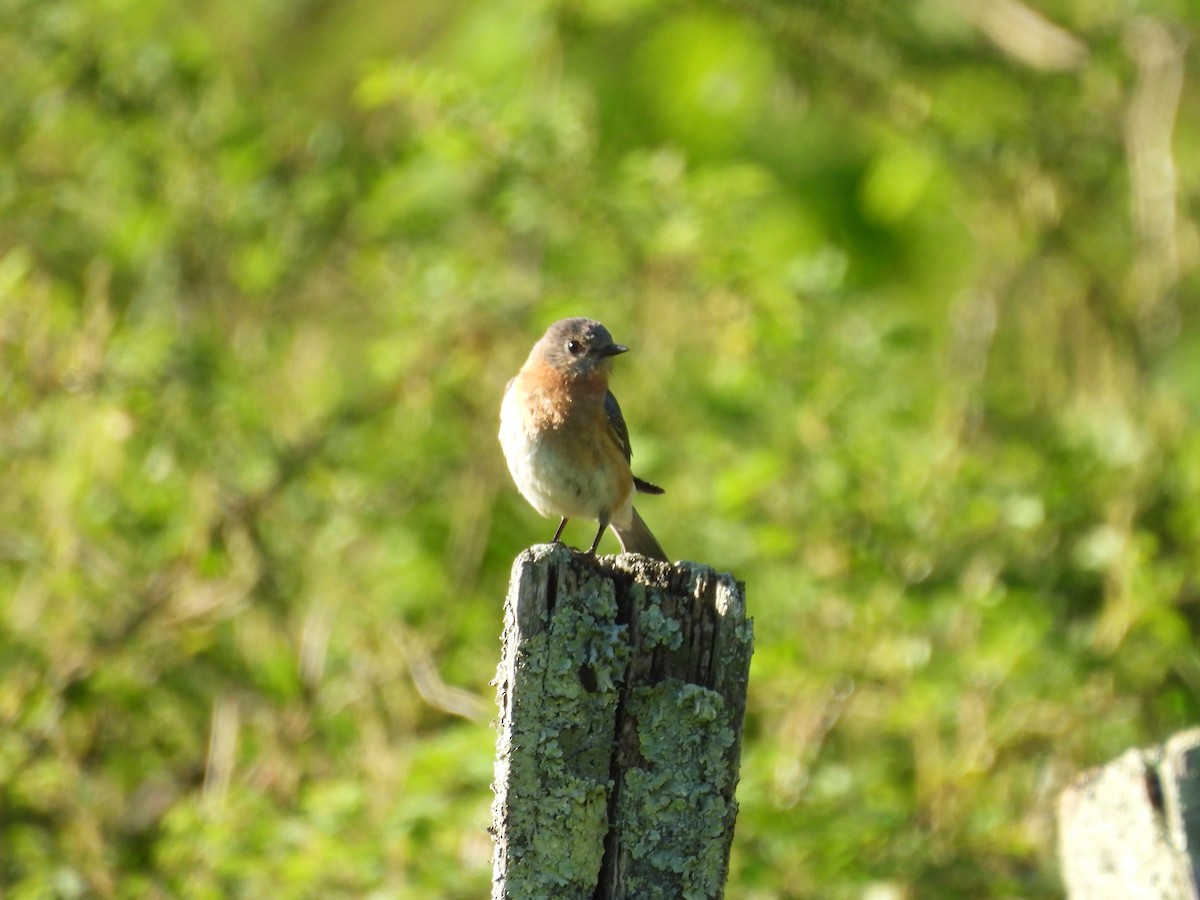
(912, 290)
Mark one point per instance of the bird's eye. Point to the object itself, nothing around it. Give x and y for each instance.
(574, 347)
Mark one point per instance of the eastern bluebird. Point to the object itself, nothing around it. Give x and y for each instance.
(565, 439)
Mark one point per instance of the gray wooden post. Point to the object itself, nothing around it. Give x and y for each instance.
(622, 691)
(1130, 830)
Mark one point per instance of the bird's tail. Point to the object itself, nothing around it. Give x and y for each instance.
(637, 538)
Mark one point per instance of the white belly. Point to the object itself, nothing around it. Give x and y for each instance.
(551, 483)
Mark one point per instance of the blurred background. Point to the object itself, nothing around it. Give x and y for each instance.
(912, 294)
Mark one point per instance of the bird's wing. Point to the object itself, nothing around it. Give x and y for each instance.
(620, 433)
(616, 424)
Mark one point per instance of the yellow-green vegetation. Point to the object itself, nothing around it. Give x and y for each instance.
(912, 295)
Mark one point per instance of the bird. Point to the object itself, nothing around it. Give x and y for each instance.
(565, 440)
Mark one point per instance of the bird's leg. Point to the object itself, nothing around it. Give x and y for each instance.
(558, 534)
(599, 534)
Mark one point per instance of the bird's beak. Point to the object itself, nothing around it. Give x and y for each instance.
(613, 350)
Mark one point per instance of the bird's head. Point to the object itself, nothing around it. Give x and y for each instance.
(578, 348)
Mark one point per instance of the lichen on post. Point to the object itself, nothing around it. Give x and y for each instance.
(622, 692)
